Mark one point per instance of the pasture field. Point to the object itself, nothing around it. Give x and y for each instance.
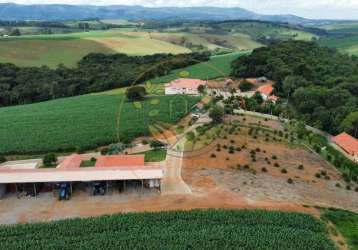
(344, 44)
(48, 52)
(68, 49)
(84, 121)
(351, 27)
(235, 41)
(258, 30)
(118, 22)
(211, 229)
(346, 223)
(217, 66)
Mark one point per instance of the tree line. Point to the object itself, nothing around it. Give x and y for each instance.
(319, 85)
(94, 73)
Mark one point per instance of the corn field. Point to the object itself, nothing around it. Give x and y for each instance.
(198, 229)
(83, 122)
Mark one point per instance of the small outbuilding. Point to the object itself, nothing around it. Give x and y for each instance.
(348, 143)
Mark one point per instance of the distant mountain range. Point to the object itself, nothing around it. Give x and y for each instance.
(10, 11)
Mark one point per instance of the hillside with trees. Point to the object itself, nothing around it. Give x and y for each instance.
(94, 73)
(319, 84)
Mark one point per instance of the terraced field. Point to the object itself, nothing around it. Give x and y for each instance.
(84, 122)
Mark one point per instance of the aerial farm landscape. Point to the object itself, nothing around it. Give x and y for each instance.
(125, 127)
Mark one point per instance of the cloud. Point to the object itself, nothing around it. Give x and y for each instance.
(345, 9)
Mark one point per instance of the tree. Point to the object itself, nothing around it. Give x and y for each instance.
(83, 26)
(350, 123)
(288, 86)
(201, 89)
(258, 98)
(136, 93)
(301, 130)
(246, 86)
(49, 159)
(216, 114)
(155, 144)
(15, 32)
(2, 159)
(95, 72)
(190, 136)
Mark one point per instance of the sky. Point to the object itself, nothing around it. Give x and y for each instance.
(337, 9)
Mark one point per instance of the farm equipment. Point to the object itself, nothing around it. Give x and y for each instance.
(64, 191)
(98, 188)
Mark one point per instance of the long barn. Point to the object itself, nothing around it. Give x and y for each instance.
(119, 168)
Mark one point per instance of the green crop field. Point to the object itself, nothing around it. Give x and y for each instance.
(346, 223)
(68, 49)
(84, 121)
(211, 229)
(217, 66)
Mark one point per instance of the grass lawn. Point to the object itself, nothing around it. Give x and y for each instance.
(155, 155)
(217, 66)
(88, 164)
(212, 229)
(346, 223)
(84, 121)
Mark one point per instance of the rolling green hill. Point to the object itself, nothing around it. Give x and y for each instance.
(345, 44)
(266, 30)
(348, 27)
(68, 49)
(217, 66)
(342, 36)
(235, 42)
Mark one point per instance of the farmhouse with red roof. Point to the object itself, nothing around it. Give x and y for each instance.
(183, 86)
(348, 143)
(266, 91)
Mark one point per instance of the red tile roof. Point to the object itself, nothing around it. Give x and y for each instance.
(266, 89)
(183, 83)
(347, 143)
(120, 161)
(71, 162)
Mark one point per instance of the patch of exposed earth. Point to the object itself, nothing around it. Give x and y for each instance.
(264, 187)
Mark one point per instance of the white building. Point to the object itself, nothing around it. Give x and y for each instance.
(183, 86)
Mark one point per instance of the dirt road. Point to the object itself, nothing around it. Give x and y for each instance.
(173, 182)
(46, 207)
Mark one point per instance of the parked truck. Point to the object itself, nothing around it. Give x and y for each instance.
(64, 191)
